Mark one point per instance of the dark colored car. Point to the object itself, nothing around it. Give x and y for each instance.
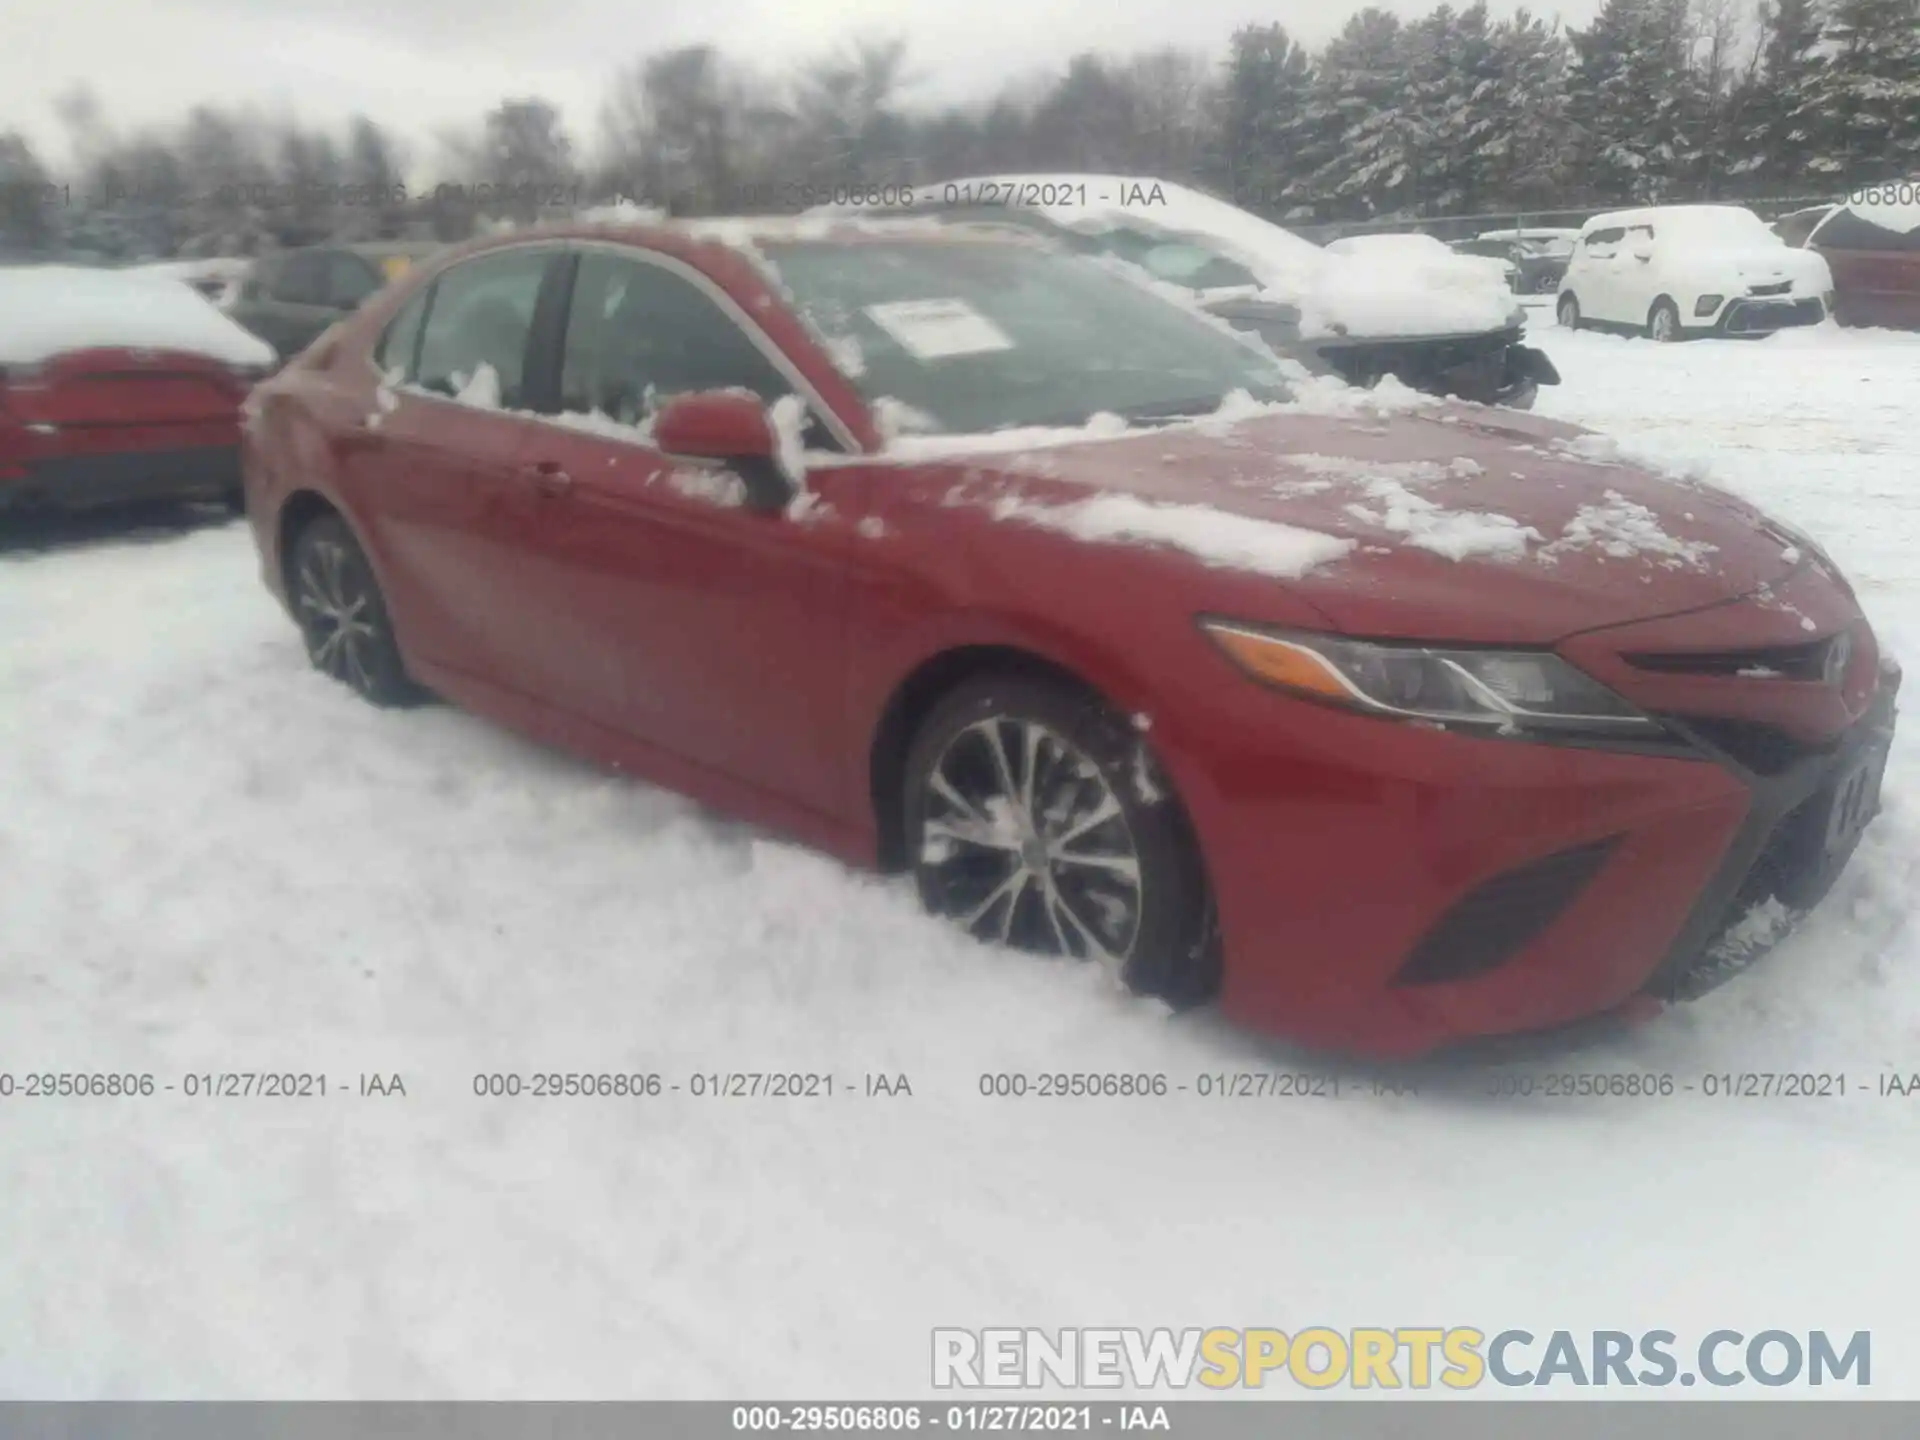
(1539, 257)
(115, 387)
(1205, 246)
(954, 553)
(1875, 263)
(292, 297)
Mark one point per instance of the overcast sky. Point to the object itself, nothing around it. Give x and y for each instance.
(421, 65)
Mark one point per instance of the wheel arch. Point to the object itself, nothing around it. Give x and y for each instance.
(299, 510)
(913, 699)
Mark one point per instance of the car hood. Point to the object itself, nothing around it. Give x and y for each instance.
(1365, 298)
(1462, 523)
(1762, 265)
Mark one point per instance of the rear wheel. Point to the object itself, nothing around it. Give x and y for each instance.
(1663, 323)
(342, 615)
(1567, 312)
(1036, 819)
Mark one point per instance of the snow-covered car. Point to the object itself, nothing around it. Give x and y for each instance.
(1540, 255)
(1391, 722)
(219, 280)
(1459, 335)
(1872, 245)
(118, 386)
(1672, 272)
(1430, 258)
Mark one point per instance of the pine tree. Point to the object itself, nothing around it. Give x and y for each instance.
(1867, 96)
(1631, 97)
(1778, 141)
(1363, 151)
(1262, 98)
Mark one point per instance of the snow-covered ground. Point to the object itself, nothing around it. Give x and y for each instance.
(213, 861)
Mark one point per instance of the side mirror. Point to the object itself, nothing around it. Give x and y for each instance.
(1642, 251)
(732, 427)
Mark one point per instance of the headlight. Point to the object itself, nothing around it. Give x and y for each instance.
(1496, 690)
(1706, 305)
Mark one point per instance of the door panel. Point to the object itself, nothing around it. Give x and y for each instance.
(440, 480)
(710, 630)
(692, 622)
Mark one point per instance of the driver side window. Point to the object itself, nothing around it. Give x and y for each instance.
(639, 334)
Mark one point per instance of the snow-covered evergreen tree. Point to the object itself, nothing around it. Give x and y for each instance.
(1361, 146)
(1631, 99)
(1781, 127)
(1259, 108)
(1867, 95)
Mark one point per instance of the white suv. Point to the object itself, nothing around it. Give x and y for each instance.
(1675, 271)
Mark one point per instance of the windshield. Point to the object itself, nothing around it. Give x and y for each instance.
(988, 336)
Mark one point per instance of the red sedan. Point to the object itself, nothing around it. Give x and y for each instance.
(953, 553)
(118, 386)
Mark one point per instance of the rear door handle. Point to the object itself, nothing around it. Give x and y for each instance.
(549, 479)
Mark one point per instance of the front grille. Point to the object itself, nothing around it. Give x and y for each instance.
(1782, 288)
(1783, 662)
(1497, 919)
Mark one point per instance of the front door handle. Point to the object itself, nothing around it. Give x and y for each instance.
(549, 479)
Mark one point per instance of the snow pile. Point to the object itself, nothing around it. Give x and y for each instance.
(1362, 299)
(1456, 534)
(1216, 537)
(49, 310)
(1622, 529)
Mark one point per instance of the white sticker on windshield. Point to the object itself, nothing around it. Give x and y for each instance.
(936, 329)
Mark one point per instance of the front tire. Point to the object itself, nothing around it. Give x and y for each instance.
(1036, 818)
(1663, 323)
(342, 615)
(1567, 312)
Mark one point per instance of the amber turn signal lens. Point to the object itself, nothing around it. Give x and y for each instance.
(1279, 662)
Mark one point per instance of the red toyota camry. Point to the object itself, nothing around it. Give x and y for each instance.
(1388, 723)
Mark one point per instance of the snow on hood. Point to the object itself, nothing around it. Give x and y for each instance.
(49, 310)
(1349, 295)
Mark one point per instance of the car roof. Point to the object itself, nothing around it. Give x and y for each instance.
(1647, 214)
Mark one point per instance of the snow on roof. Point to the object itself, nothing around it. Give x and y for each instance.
(49, 310)
(1102, 202)
(1902, 219)
(1648, 214)
(1530, 233)
(1337, 294)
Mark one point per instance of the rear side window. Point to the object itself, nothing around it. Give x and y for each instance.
(350, 280)
(399, 347)
(478, 324)
(302, 279)
(637, 334)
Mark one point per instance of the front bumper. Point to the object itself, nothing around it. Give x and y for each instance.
(91, 481)
(1389, 891)
(1764, 316)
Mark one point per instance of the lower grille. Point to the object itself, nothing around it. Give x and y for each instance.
(1497, 919)
(1771, 900)
(1763, 749)
(1780, 289)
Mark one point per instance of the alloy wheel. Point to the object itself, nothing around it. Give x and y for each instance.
(1666, 325)
(1024, 842)
(335, 606)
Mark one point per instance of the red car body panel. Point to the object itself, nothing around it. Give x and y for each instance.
(752, 660)
(100, 425)
(1875, 287)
